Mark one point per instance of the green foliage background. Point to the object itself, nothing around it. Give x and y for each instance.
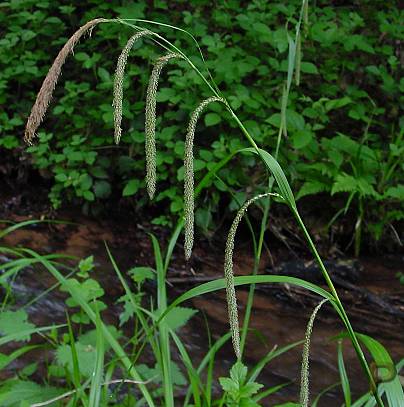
(345, 134)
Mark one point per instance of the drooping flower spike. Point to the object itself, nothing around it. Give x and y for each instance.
(189, 174)
(48, 86)
(118, 82)
(150, 121)
(304, 379)
(229, 275)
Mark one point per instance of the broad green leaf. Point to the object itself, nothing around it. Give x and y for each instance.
(140, 274)
(88, 195)
(178, 317)
(155, 374)
(308, 67)
(25, 393)
(337, 103)
(344, 183)
(14, 323)
(228, 385)
(311, 188)
(86, 265)
(238, 391)
(90, 289)
(102, 189)
(395, 192)
(131, 187)
(301, 138)
(294, 120)
(238, 373)
(212, 118)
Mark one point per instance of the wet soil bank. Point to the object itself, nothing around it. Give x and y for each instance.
(368, 288)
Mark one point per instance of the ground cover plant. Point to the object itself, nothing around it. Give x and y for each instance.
(344, 131)
(155, 325)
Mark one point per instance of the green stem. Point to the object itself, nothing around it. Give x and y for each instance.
(344, 316)
(358, 228)
(258, 253)
(257, 259)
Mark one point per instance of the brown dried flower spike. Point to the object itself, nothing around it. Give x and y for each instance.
(45, 93)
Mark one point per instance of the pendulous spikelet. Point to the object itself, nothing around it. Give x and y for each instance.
(48, 86)
(304, 380)
(229, 275)
(118, 82)
(189, 174)
(150, 121)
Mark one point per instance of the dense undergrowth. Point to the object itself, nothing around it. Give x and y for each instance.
(344, 134)
(114, 358)
(85, 362)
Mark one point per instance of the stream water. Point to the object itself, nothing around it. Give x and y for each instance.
(369, 290)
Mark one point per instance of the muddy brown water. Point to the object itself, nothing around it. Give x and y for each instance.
(374, 302)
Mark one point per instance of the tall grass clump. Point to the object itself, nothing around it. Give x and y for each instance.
(276, 177)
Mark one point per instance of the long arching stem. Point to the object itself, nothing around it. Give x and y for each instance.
(168, 45)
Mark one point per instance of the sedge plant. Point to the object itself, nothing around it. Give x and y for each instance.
(276, 177)
(152, 332)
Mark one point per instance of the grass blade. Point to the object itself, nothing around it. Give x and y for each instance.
(96, 380)
(272, 354)
(321, 394)
(344, 377)
(270, 391)
(5, 360)
(30, 222)
(107, 335)
(276, 170)
(220, 284)
(76, 365)
(390, 385)
(27, 332)
(162, 327)
(192, 373)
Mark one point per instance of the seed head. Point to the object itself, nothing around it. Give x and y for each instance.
(229, 275)
(189, 174)
(48, 86)
(304, 380)
(150, 121)
(118, 82)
